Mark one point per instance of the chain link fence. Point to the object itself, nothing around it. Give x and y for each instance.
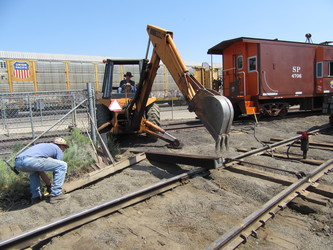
(26, 116)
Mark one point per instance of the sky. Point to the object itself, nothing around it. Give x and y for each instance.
(118, 28)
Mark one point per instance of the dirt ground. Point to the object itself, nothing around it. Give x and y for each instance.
(195, 214)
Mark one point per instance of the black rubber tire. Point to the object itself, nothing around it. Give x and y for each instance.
(103, 115)
(152, 114)
(331, 120)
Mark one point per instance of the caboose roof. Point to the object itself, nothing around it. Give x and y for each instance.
(218, 49)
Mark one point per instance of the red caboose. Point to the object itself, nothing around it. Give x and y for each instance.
(268, 76)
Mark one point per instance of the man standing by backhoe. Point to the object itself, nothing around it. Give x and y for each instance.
(44, 157)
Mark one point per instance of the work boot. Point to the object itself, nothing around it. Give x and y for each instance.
(56, 199)
(35, 200)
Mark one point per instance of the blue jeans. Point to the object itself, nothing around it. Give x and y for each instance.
(33, 165)
(120, 90)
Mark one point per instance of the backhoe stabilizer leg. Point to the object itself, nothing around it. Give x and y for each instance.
(158, 132)
(216, 113)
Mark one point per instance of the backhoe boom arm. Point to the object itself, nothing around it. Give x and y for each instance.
(214, 110)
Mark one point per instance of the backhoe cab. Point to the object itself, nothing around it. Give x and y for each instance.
(119, 113)
(139, 113)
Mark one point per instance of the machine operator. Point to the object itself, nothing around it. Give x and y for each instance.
(127, 85)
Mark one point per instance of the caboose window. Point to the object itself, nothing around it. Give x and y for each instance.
(330, 68)
(239, 62)
(252, 63)
(319, 69)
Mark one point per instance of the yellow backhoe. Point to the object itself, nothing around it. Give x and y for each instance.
(137, 113)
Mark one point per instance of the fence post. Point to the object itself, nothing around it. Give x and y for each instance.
(31, 118)
(4, 116)
(171, 107)
(74, 120)
(40, 106)
(91, 110)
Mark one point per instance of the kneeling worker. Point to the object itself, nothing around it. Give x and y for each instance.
(44, 157)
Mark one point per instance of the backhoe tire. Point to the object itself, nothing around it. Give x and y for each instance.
(103, 115)
(152, 114)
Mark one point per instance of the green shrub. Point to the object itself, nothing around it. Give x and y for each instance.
(77, 158)
(17, 147)
(12, 186)
(113, 145)
(78, 155)
(77, 138)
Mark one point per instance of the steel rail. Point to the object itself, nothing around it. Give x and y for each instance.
(45, 92)
(196, 121)
(297, 174)
(314, 145)
(28, 138)
(183, 127)
(235, 236)
(41, 234)
(272, 146)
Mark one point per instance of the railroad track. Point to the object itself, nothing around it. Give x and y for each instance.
(257, 219)
(36, 237)
(182, 125)
(231, 239)
(250, 224)
(7, 144)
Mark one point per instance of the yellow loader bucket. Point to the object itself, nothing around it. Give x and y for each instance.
(216, 113)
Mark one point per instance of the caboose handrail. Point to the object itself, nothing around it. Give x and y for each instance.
(244, 83)
(228, 69)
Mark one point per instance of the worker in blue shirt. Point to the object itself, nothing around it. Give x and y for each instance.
(44, 157)
(127, 84)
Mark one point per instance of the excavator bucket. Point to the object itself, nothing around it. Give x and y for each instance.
(216, 113)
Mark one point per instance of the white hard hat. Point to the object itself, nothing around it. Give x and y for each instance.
(60, 141)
